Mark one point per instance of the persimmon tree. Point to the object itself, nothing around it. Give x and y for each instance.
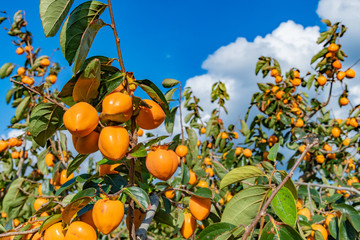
(205, 182)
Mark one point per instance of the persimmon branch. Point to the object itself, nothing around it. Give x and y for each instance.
(117, 39)
(349, 189)
(8, 234)
(33, 195)
(40, 94)
(277, 189)
(144, 226)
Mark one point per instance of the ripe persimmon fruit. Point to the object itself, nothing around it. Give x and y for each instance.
(19, 51)
(81, 119)
(39, 202)
(274, 72)
(321, 229)
(13, 142)
(321, 80)
(63, 178)
(15, 155)
(170, 194)
(20, 71)
(44, 62)
(140, 132)
(199, 207)
(114, 142)
(336, 132)
(181, 150)
(3, 145)
(344, 101)
(80, 230)
(107, 215)
(150, 118)
(350, 73)
(117, 107)
(88, 218)
(189, 226)
(203, 130)
(162, 163)
(87, 144)
(336, 64)
(247, 152)
(193, 178)
(305, 212)
(203, 184)
(52, 78)
(333, 47)
(54, 232)
(49, 160)
(340, 75)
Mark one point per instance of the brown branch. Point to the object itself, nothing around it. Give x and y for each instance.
(276, 190)
(349, 189)
(33, 195)
(145, 224)
(40, 94)
(8, 234)
(117, 39)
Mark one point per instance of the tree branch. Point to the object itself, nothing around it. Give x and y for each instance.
(141, 231)
(349, 189)
(277, 189)
(8, 234)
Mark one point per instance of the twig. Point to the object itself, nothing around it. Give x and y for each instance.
(349, 189)
(181, 123)
(8, 234)
(141, 231)
(309, 197)
(117, 39)
(33, 195)
(276, 190)
(40, 94)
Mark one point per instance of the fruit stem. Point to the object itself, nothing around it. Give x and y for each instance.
(117, 39)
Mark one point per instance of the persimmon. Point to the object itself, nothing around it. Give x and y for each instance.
(87, 144)
(20, 71)
(321, 80)
(140, 132)
(170, 194)
(161, 163)
(346, 141)
(19, 51)
(138, 218)
(329, 218)
(27, 80)
(305, 212)
(39, 202)
(340, 75)
(106, 169)
(189, 226)
(88, 218)
(107, 215)
(327, 147)
(114, 142)
(13, 142)
(199, 207)
(278, 79)
(81, 119)
(207, 161)
(299, 122)
(23, 154)
(64, 178)
(44, 62)
(198, 143)
(321, 229)
(350, 73)
(209, 171)
(181, 150)
(247, 152)
(236, 135)
(336, 64)
(28, 48)
(354, 123)
(202, 130)
(3, 145)
(320, 158)
(16, 222)
(40, 189)
(295, 82)
(228, 197)
(150, 118)
(193, 178)
(274, 72)
(15, 155)
(54, 232)
(299, 203)
(344, 101)
(203, 184)
(335, 132)
(296, 74)
(3, 215)
(117, 107)
(52, 78)
(280, 94)
(333, 47)
(80, 230)
(49, 160)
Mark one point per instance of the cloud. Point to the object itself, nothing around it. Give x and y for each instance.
(234, 64)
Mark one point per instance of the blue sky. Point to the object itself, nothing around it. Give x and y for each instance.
(161, 39)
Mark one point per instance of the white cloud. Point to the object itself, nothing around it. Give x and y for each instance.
(234, 64)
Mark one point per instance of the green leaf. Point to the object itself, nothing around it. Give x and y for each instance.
(239, 174)
(244, 128)
(67, 91)
(139, 151)
(86, 86)
(6, 70)
(72, 208)
(41, 164)
(52, 14)
(284, 206)
(169, 82)
(169, 120)
(139, 196)
(14, 199)
(111, 78)
(185, 174)
(50, 221)
(318, 55)
(75, 26)
(22, 107)
(203, 192)
(9, 94)
(66, 186)
(244, 206)
(327, 22)
(169, 94)
(155, 94)
(74, 164)
(45, 119)
(219, 169)
(289, 183)
(214, 230)
(273, 152)
(89, 192)
(351, 214)
(86, 42)
(279, 232)
(193, 148)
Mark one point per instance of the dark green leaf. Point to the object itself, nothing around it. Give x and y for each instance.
(41, 164)
(22, 107)
(284, 206)
(72, 208)
(6, 70)
(203, 192)
(169, 120)
(214, 230)
(318, 55)
(273, 152)
(139, 196)
(74, 164)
